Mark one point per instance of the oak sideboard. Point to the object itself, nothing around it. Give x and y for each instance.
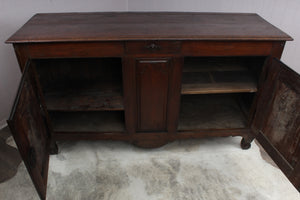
(151, 78)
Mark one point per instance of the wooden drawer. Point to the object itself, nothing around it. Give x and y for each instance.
(152, 47)
(226, 48)
(75, 49)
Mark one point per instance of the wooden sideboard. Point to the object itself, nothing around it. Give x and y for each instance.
(151, 78)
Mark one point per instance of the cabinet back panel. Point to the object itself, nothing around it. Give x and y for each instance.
(74, 72)
(213, 111)
(208, 75)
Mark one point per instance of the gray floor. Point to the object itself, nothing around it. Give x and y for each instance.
(9, 157)
(208, 169)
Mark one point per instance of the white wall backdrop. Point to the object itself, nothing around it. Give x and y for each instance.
(14, 13)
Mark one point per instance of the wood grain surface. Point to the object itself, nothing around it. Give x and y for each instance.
(116, 26)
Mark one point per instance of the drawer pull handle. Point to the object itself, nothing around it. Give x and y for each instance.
(152, 46)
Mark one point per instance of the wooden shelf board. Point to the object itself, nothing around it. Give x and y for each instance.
(100, 121)
(210, 78)
(210, 112)
(90, 97)
(213, 88)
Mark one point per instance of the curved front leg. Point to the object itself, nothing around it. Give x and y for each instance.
(246, 141)
(53, 148)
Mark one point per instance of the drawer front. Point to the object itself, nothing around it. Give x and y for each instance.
(152, 47)
(226, 48)
(76, 50)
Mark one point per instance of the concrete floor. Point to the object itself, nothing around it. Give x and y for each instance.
(9, 157)
(208, 169)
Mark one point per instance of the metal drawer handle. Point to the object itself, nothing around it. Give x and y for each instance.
(152, 46)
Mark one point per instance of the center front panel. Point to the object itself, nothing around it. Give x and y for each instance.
(152, 77)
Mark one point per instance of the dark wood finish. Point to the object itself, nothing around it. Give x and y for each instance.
(129, 87)
(226, 48)
(208, 76)
(152, 93)
(82, 102)
(71, 27)
(86, 84)
(53, 145)
(127, 76)
(174, 95)
(277, 49)
(274, 153)
(105, 97)
(100, 122)
(212, 88)
(21, 51)
(75, 50)
(151, 138)
(85, 73)
(277, 120)
(150, 47)
(295, 176)
(30, 131)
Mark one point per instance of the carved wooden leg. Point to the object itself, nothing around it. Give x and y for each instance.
(53, 148)
(246, 141)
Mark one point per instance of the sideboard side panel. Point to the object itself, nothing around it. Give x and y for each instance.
(21, 52)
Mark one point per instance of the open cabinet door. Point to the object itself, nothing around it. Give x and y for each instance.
(29, 129)
(277, 119)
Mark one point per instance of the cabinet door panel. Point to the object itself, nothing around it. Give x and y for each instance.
(277, 119)
(29, 129)
(152, 94)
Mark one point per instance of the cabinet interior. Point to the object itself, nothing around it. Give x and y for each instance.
(86, 94)
(81, 84)
(83, 94)
(217, 92)
(96, 121)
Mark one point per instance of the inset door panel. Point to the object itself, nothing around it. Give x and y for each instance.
(277, 118)
(30, 131)
(152, 78)
(284, 117)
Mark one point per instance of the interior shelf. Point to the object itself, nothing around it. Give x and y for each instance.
(213, 111)
(86, 97)
(209, 76)
(88, 121)
(82, 84)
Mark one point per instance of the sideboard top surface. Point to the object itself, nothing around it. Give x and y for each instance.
(120, 26)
